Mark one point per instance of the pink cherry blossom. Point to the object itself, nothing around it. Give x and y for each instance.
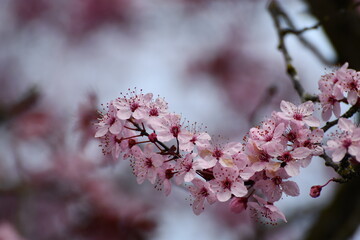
(274, 186)
(346, 142)
(165, 173)
(330, 98)
(311, 140)
(243, 164)
(270, 132)
(169, 127)
(155, 110)
(267, 209)
(146, 163)
(350, 83)
(201, 190)
(222, 154)
(291, 160)
(109, 123)
(198, 139)
(300, 115)
(135, 106)
(186, 167)
(116, 144)
(227, 182)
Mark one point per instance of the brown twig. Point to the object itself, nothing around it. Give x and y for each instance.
(276, 12)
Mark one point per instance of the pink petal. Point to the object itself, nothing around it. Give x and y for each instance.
(274, 194)
(224, 196)
(124, 114)
(352, 97)
(346, 124)
(354, 149)
(300, 153)
(317, 135)
(338, 154)
(326, 114)
(306, 108)
(287, 107)
(189, 176)
(148, 97)
(279, 130)
(290, 188)
(140, 113)
(337, 109)
(312, 121)
(198, 205)
(356, 135)
(116, 127)
(238, 189)
(292, 169)
(167, 187)
(101, 132)
(305, 162)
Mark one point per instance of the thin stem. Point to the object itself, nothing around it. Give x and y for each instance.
(276, 11)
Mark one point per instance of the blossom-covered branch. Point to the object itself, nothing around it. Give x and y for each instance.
(251, 175)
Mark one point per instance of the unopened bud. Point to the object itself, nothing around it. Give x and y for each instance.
(131, 142)
(315, 191)
(237, 205)
(152, 137)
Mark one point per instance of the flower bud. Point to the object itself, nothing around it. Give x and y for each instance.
(315, 191)
(152, 137)
(237, 205)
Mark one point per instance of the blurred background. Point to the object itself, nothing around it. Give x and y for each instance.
(216, 62)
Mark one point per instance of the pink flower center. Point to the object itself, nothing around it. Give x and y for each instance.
(226, 184)
(268, 138)
(175, 130)
(332, 100)
(277, 180)
(298, 116)
(169, 173)
(352, 86)
(217, 154)
(291, 136)
(308, 144)
(203, 192)
(154, 112)
(148, 163)
(134, 106)
(346, 143)
(193, 140)
(188, 167)
(112, 121)
(264, 157)
(286, 157)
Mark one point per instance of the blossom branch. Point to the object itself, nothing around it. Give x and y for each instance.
(279, 12)
(276, 12)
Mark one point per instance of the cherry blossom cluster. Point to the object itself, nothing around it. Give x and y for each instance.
(252, 175)
(343, 85)
(345, 143)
